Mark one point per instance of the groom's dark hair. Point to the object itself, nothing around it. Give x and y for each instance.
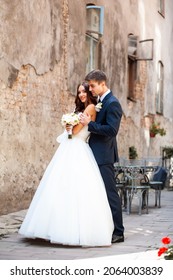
(97, 75)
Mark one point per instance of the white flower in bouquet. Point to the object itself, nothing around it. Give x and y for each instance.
(98, 107)
(71, 119)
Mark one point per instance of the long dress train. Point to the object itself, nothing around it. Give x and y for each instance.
(70, 205)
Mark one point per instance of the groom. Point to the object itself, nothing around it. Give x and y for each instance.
(103, 143)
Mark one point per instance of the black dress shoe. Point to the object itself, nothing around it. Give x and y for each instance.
(117, 239)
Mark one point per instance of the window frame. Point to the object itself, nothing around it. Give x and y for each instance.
(152, 49)
(91, 65)
(94, 40)
(101, 23)
(134, 48)
(161, 7)
(160, 88)
(132, 77)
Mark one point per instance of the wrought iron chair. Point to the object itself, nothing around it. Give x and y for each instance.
(135, 189)
(157, 183)
(121, 182)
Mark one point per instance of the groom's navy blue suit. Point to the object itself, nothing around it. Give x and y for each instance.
(104, 146)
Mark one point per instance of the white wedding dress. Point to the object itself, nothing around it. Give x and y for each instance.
(70, 205)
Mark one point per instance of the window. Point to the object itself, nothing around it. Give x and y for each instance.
(137, 51)
(132, 66)
(132, 46)
(159, 91)
(161, 9)
(132, 69)
(94, 33)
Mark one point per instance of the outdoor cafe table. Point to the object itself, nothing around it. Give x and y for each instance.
(130, 186)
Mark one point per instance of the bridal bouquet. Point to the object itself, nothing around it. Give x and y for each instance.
(70, 119)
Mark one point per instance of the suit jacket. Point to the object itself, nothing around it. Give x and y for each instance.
(104, 130)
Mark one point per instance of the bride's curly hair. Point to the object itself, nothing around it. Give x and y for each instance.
(80, 106)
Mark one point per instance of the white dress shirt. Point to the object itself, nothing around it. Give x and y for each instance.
(104, 95)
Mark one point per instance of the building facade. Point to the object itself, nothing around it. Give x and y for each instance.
(47, 47)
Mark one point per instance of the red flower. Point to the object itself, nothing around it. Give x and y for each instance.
(166, 240)
(166, 250)
(162, 251)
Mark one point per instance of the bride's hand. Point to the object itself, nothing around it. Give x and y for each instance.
(85, 119)
(68, 127)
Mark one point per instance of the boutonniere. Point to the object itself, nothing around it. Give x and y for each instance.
(98, 107)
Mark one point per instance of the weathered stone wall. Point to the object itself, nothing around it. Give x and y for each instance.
(38, 79)
(42, 59)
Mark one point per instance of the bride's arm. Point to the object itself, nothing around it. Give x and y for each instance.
(90, 110)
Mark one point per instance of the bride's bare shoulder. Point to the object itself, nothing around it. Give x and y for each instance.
(90, 107)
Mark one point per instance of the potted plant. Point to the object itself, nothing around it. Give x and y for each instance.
(156, 129)
(132, 152)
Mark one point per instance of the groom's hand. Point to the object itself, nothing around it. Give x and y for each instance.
(85, 119)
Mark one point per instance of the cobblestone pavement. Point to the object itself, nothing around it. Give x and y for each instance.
(142, 237)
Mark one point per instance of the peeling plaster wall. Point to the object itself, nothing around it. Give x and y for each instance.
(38, 80)
(26, 31)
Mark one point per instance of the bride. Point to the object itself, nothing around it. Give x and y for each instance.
(70, 205)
